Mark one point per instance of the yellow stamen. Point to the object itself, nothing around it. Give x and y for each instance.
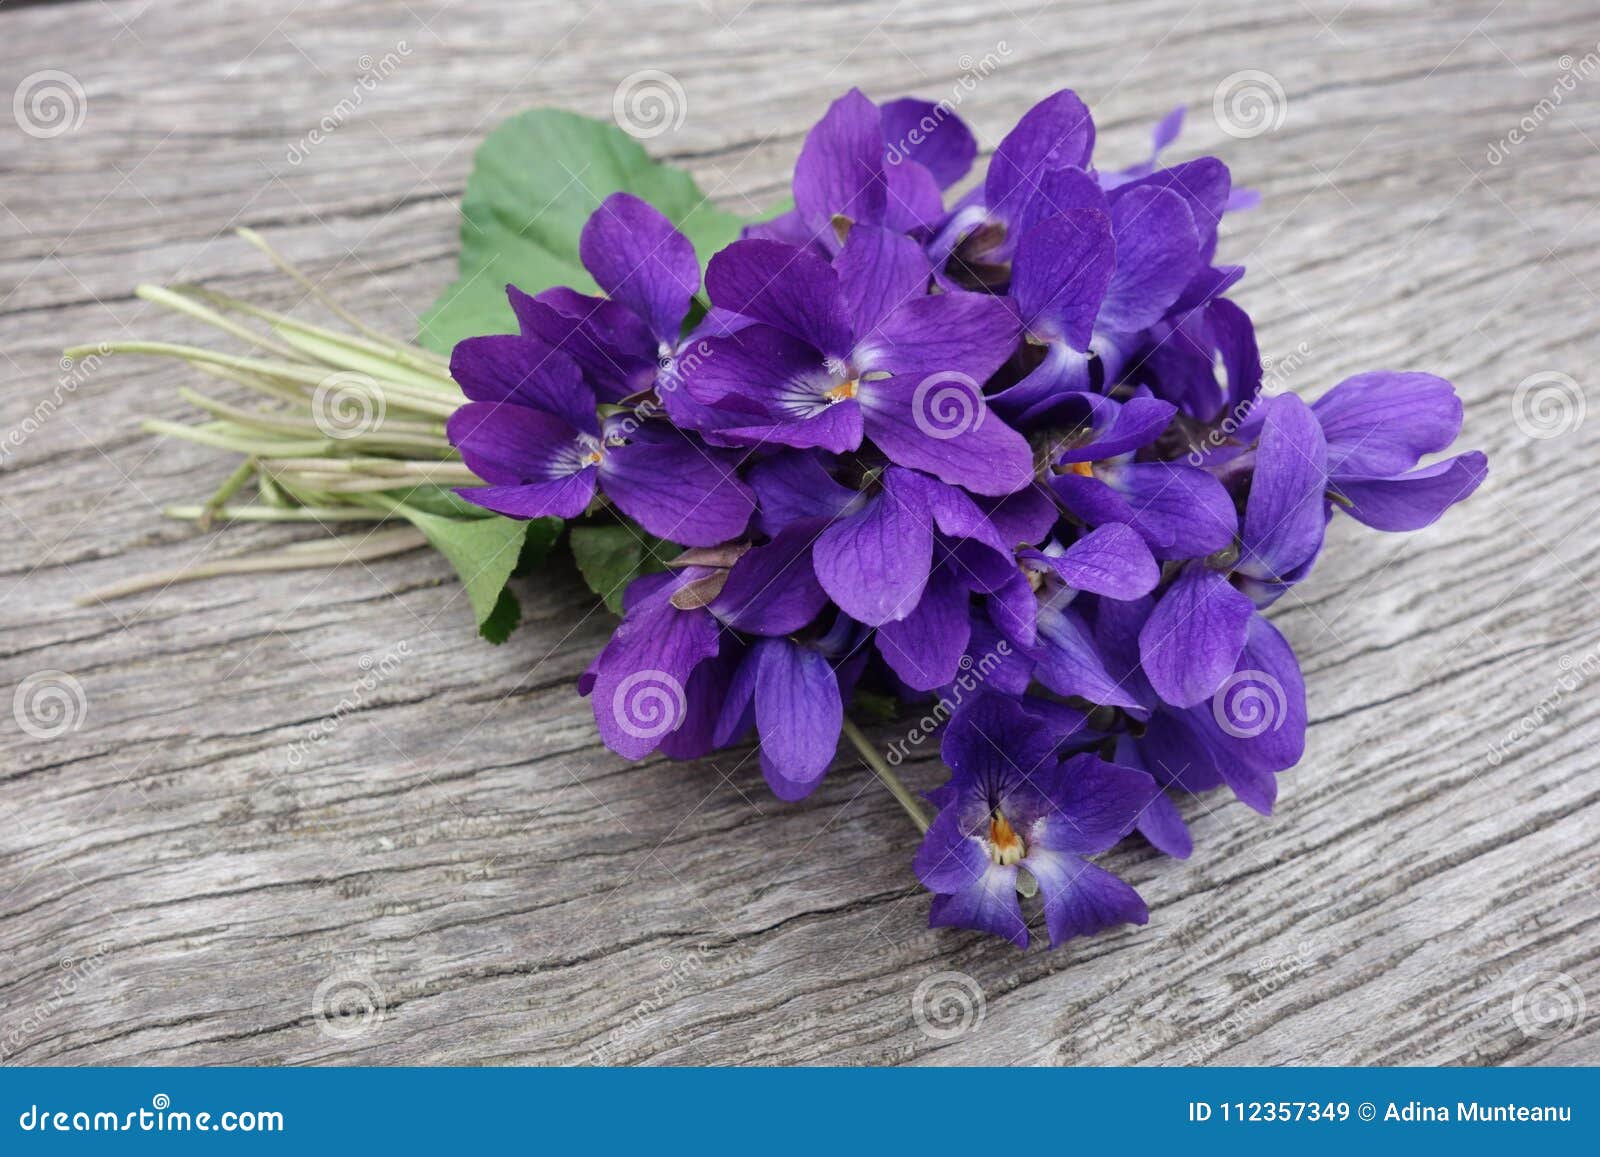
(1005, 846)
(843, 390)
(1082, 469)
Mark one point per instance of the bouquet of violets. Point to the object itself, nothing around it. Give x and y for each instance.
(1002, 459)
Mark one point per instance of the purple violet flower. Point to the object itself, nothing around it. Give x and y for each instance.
(1250, 728)
(1182, 511)
(863, 164)
(1377, 427)
(1035, 609)
(973, 247)
(1010, 456)
(532, 432)
(1091, 277)
(859, 350)
(1012, 805)
(674, 622)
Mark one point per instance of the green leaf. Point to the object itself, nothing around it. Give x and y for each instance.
(535, 180)
(441, 500)
(611, 557)
(484, 551)
(542, 535)
(498, 624)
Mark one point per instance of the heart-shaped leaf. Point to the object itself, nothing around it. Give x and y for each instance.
(535, 180)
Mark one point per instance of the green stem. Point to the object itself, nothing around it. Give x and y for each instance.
(343, 485)
(426, 435)
(276, 513)
(380, 364)
(315, 290)
(424, 359)
(259, 447)
(382, 468)
(422, 400)
(294, 395)
(227, 490)
(414, 356)
(182, 304)
(313, 555)
(880, 768)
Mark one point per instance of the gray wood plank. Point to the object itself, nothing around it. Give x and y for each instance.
(187, 876)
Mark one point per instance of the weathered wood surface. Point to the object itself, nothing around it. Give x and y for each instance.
(177, 887)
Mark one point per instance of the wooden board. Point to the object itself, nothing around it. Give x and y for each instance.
(244, 827)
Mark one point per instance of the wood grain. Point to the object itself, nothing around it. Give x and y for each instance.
(190, 875)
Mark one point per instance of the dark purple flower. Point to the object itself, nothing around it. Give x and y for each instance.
(1010, 456)
(1012, 804)
(1090, 278)
(1193, 638)
(674, 622)
(1378, 426)
(1165, 132)
(1250, 727)
(792, 692)
(903, 554)
(859, 350)
(1177, 358)
(866, 165)
(1182, 511)
(1035, 609)
(973, 247)
(532, 432)
(1285, 512)
(649, 274)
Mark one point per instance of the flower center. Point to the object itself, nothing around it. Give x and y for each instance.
(586, 451)
(1082, 469)
(1005, 846)
(845, 389)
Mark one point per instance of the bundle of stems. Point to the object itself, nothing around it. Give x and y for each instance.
(348, 427)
